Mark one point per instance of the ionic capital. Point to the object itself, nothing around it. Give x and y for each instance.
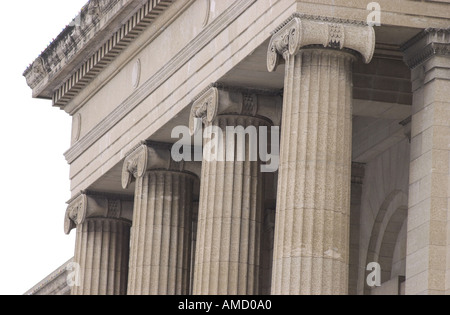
(86, 207)
(221, 100)
(205, 107)
(147, 157)
(301, 31)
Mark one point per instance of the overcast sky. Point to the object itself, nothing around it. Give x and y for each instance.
(34, 182)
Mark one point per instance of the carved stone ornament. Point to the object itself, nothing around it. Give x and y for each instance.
(205, 108)
(96, 206)
(221, 100)
(35, 73)
(431, 42)
(147, 157)
(75, 214)
(64, 47)
(96, 9)
(301, 31)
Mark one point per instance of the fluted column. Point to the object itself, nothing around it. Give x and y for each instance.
(311, 254)
(358, 173)
(267, 251)
(230, 209)
(194, 244)
(161, 233)
(102, 243)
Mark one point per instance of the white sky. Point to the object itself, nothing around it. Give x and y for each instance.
(34, 182)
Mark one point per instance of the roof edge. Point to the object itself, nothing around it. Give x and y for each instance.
(102, 30)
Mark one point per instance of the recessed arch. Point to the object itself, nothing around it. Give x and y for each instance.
(390, 218)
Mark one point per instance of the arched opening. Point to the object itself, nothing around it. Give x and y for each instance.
(384, 246)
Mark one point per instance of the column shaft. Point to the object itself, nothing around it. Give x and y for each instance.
(312, 225)
(358, 173)
(102, 250)
(267, 252)
(194, 244)
(102, 243)
(229, 223)
(161, 234)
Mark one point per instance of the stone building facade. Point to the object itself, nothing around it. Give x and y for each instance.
(364, 161)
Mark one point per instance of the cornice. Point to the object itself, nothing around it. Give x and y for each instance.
(300, 31)
(86, 206)
(45, 71)
(70, 41)
(431, 42)
(413, 60)
(212, 30)
(67, 41)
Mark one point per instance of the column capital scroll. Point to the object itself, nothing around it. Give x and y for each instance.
(205, 107)
(301, 31)
(86, 207)
(146, 157)
(219, 100)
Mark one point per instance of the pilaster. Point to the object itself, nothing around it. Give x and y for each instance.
(428, 250)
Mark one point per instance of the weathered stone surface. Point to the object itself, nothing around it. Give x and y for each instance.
(161, 235)
(230, 210)
(93, 24)
(54, 284)
(130, 71)
(311, 254)
(102, 243)
(427, 263)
